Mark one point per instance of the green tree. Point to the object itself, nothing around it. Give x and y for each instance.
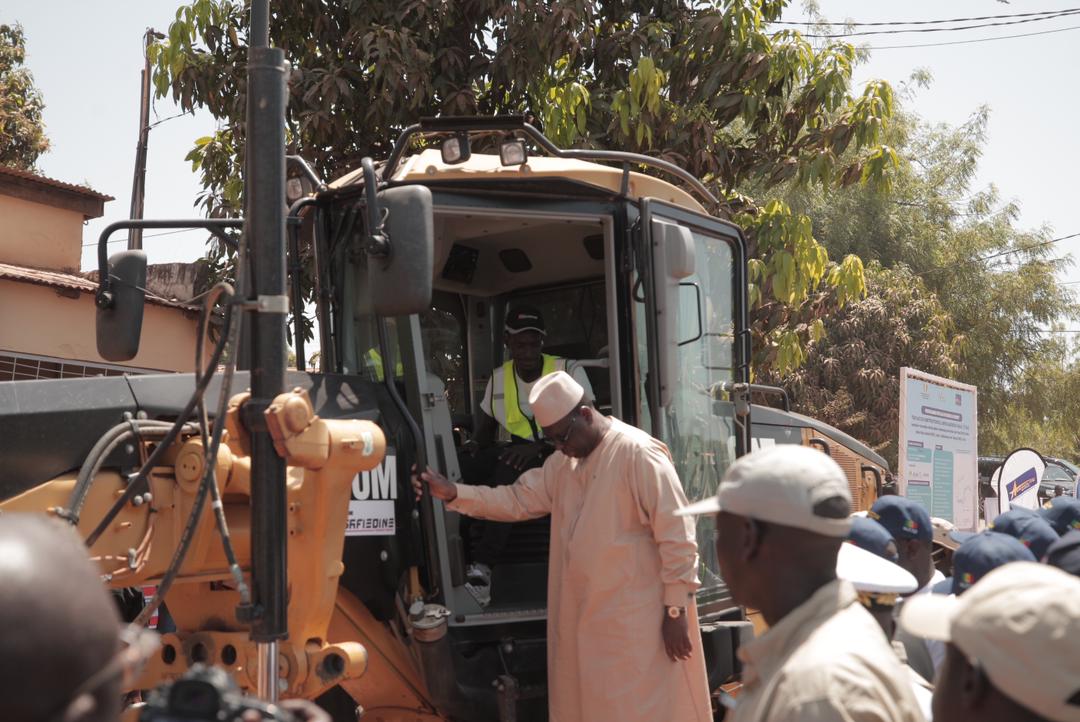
(995, 283)
(851, 377)
(22, 131)
(1043, 407)
(704, 85)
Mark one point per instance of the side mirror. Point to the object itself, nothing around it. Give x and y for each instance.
(398, 283)
(120, 306)
(673, 260)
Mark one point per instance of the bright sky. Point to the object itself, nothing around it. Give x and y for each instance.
(1028, 84)
(86, 58)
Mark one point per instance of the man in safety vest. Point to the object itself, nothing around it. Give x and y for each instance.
(506, 406)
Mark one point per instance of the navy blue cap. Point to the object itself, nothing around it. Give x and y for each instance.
(982, 554)
(903, 518)
(1065, 553)
(1063, 514)
(1031, 529)
(873, 537)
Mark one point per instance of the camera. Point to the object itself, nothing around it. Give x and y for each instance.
(206, 694)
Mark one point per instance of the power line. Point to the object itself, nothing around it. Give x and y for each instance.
(148, 235)
(941, 30)
(992, 256)
(968, 42)
(921, 22)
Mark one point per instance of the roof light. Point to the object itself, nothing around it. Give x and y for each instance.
(513, 152)
(456, 149)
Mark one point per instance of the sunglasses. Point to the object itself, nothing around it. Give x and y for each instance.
(565, 436)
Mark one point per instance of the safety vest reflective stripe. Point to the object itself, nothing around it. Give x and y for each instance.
(376, 362)
(516, 422)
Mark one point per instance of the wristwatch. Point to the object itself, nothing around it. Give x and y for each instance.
(676, 612)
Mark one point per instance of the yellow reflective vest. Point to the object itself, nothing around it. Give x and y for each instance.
(375, 361)
(516, 422)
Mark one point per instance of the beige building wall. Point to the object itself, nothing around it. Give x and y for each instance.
(38, 236)
(37, 320)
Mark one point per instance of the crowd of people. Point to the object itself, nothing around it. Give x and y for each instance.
(866, 619)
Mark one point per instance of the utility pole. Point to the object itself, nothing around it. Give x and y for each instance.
(264, 234)
(138, 184)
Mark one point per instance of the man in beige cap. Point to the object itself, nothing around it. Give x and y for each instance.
(781, 517)
(1012, 651)
(622, 625)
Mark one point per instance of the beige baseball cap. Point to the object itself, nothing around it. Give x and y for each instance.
(1021, 623)
(790, 485)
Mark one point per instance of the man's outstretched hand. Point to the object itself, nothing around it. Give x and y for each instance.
(439, 486)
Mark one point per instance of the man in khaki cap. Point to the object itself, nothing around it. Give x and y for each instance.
(1011, 653)
(781, 517)
(623, 640)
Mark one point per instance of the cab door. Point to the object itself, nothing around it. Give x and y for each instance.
(692, 343)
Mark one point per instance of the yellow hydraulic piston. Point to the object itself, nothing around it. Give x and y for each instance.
(323, 457)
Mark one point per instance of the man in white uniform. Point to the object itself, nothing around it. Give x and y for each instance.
(507, 413)
(781, 517)
(622, 631)
(911, 527)
(1011, 646)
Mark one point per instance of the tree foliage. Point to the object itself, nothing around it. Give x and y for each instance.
(851, 377)
(704, 85)
(959, 248)
(22, 131)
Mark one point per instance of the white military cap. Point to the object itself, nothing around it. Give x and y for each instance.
(786, 484)
(1020, 623)
(554, 396)
(870, 573)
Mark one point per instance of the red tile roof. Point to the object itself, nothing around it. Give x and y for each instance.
(55, 279)
(53, 183)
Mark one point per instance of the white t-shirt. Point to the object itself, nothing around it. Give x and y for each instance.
(492, 402)
(935, 647)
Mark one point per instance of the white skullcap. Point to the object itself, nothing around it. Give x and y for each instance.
(787, 484)
(554, 396)
(1020, 623)
(868, 572)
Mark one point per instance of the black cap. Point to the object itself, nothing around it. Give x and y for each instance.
(525, 318)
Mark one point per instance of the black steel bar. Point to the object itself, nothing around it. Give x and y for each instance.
(514, 122)
(296, 277)
(308, 171)
(479, 123)
(216, 226)
(265, 235)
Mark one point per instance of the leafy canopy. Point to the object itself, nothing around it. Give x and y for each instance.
(705, 85)
(22, 131)
(960, 290)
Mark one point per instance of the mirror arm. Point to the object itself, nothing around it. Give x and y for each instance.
(377, 243)
(217, 226)
(308, 171)
(700, 322)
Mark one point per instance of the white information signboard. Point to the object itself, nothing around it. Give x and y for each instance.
(939, 441)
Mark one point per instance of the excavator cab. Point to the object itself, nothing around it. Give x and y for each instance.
(637, 284)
